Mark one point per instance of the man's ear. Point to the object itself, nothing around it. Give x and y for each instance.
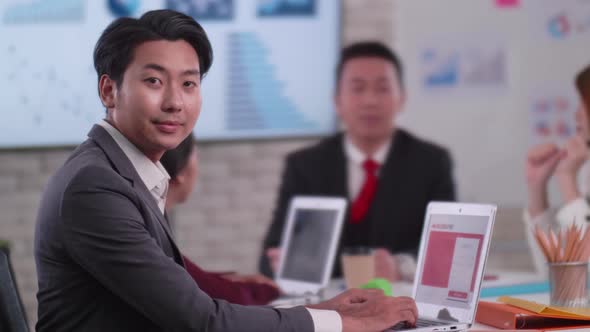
(107, 89)
(176, 180)
(338, 109)
(336, 101)
(402, 101)
(180, 177)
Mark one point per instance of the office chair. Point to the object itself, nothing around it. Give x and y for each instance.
(12, 313)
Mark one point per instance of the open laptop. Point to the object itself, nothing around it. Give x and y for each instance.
(453, 251)
(309, 241)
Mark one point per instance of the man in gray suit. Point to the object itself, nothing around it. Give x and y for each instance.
(106, 259)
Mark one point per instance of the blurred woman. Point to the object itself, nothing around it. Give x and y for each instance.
(567, 165)
(182, 166)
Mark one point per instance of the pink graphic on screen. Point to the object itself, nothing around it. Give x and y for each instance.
(507, 3)
(439, 260)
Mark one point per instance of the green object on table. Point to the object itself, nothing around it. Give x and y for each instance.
(380, 283)
(4, 244)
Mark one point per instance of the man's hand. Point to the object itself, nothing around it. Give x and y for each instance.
(274, 256)
(386, 265)
(378, 314)
(369, 310)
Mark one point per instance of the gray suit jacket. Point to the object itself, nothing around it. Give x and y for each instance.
(106, 259)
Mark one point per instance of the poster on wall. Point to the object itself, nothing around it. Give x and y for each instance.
(558, 21)
(463, 67)
(258, 86)
(536, 105)
(507, 4)
(552, 115)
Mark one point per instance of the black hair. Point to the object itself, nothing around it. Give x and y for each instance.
(115, 47)
(370, 49)
(175, 160)
(583, 84)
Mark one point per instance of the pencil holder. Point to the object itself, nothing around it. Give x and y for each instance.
(568, 282)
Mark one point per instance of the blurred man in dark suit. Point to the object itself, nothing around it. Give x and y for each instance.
(388, 174)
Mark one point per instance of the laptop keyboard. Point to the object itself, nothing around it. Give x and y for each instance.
(421, 322)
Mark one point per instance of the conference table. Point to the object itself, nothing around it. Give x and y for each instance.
(512, 281)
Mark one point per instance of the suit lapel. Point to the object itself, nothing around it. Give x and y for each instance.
(117, 157)
(338, 170)
(390, 181)
(147, 196)
(125, 168)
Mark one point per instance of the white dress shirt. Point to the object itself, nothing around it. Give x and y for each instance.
(325, 320)
(355, 159)
(356, 178)
(153, 175)
(155, 178)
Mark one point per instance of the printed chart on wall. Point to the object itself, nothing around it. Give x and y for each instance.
(491, 80)
(266, 54)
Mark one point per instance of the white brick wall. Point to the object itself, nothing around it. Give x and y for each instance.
(22, 178)
(222, 225)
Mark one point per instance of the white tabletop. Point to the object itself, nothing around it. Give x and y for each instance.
(500, 278)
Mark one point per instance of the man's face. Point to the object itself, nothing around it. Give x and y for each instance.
(369, 96)
(158, 102)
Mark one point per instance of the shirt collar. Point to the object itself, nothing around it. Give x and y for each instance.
(152, 174)
(355, 155)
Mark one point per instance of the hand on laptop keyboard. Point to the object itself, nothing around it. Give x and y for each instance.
(402, 326)
(370, 310)
(420, 322)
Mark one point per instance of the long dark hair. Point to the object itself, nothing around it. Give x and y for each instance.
(175, 160)
(583, 85)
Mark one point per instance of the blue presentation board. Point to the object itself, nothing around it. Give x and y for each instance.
(272, 75)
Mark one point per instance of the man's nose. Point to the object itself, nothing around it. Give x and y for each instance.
(370, 96)
(173, 100)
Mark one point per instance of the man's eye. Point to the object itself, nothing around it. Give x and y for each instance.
(358, 89)
(383, 89)
(190, 84)
(152, 80)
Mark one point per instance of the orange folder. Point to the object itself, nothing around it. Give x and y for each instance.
(505, 316)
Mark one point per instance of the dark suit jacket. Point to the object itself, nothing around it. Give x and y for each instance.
(106, 260)
(415, 173)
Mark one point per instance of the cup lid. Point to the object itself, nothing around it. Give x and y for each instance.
(357, 250)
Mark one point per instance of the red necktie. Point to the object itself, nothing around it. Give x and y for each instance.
(361, 204)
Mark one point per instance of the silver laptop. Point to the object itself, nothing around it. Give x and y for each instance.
(453, 251)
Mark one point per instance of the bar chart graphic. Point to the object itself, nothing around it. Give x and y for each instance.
(256, 95)
(204, 9)
(272, 8)
(264, 81)
(45, 11)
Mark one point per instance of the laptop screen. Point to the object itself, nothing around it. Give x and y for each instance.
(309, 247)
(451, 258)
